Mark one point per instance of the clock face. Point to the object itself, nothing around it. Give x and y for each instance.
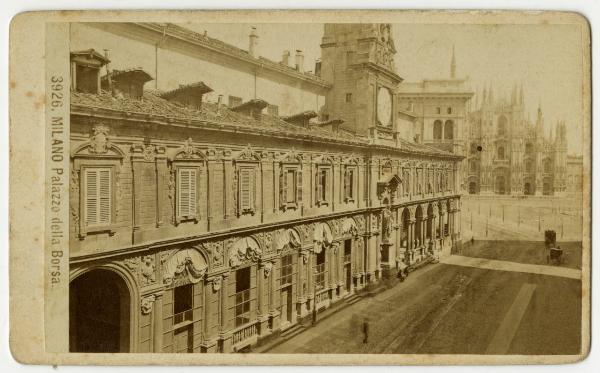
(384, 107)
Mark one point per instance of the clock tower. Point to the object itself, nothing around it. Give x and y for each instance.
(358, 59)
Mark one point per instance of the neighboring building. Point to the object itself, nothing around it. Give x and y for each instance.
(508, 154)
(574, 175)
(440, 108)
(202, 226)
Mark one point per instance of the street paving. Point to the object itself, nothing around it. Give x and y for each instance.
(449, 309)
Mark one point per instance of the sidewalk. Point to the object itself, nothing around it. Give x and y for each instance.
(502, 265)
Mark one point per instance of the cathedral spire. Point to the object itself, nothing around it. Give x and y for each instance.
(453, 65)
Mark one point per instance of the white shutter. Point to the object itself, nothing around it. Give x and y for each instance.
(104, 196)
(299, 186)
(98, 196)
(91, 196)
(245, 189)
(186, 193)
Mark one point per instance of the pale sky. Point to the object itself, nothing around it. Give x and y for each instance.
(546, 59)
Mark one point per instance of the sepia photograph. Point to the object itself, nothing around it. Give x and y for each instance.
(352, 187)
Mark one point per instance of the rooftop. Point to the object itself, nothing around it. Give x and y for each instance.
(211, 115)
(182, 33)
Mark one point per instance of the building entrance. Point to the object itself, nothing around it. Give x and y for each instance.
(99, 312)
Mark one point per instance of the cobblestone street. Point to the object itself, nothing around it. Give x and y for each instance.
(447, 308)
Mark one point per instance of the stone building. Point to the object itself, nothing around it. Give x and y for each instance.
(200, 225)
(509, 154)
(574, 175)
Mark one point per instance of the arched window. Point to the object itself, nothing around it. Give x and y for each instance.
(500, 152)
(437, 130)
(449, 130)
(502, 125)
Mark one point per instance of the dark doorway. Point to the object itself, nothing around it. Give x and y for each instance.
(527, 189)
(99, 311)
(472, 187)
(500, 185)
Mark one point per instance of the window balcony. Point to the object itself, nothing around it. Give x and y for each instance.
(245, 335)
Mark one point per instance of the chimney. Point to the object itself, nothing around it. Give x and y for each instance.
(108, 77)
(299, 61)
(285, 58)
(318, 67)
(253, 44)
(219, 103)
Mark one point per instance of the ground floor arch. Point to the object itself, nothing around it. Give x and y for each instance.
(99, 312)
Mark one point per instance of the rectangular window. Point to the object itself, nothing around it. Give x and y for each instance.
(349, 185)
(438, 110)
(322, 183)
(246, 190)
(186, 193)
(320, 270)
(182, 304)
(449, 110)
(287, 268)
(347, 251)
(242, 296)
(87, 79)
(290, 187)
(290, 184)
(98, 196)
(235, 101)
(348, 97)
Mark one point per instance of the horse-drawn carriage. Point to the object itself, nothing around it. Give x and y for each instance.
(554, 254)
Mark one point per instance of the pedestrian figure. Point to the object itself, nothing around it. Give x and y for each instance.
(366, 330)
(472, 240)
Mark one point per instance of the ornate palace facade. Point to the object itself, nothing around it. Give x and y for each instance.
(200, 225)
(508, 154)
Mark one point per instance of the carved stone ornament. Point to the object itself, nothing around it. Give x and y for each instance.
(147, 270)
(335, 246)
(304, 255)
(149, 152)
(147, 304)
(244, 249)
(185, 265)
(268, 266)
(216, 283)
(99, 143)
(349, 227)
(131, 264)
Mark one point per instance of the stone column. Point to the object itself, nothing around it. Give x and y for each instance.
(301, 286)
(157, 323)
(210, 175)
(211, 293)
(228, 208)
(161, 189)
(274, 299)
(276, 187)
(224, 324)
(262, 316)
